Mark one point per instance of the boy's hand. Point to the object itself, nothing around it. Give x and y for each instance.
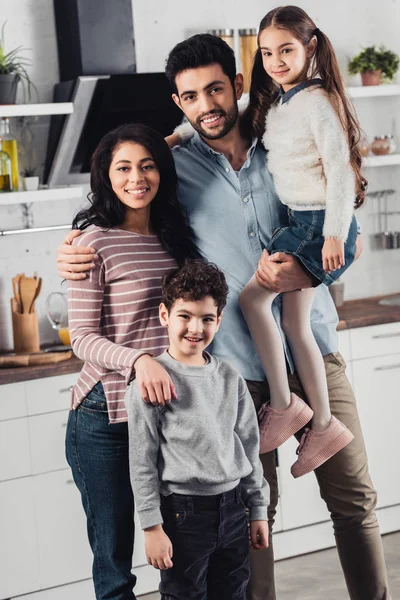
(72, 261)
(332, 254)
(259, 534)
(158, 548)
(154, 382)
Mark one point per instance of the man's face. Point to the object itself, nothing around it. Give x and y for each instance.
(208, 100)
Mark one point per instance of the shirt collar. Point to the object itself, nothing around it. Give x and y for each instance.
(207, 151)
(296, 89)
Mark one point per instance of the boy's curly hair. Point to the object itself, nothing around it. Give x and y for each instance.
(194, 281)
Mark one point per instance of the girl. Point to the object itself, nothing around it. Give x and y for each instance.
(139, 231)
(299, 106)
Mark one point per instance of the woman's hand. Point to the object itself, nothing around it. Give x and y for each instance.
(259, 534)
(155, 384)
(73, 262)
(158, 548)
(332, 254)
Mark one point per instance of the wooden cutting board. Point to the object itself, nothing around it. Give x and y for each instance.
(31, 359)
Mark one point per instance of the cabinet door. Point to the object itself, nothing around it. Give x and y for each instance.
(12, 401)
(377, 385)
(49, 394)
(47, 441)
(19, 564)
(64, 550)
(15, 459)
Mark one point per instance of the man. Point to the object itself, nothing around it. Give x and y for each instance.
(233, 208)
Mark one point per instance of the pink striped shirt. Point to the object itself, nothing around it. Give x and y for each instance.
(113, 313)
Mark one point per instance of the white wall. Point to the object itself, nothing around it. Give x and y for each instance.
(158, 26)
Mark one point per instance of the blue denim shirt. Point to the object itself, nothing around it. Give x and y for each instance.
(233, 215)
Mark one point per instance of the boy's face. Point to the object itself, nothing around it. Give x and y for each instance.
(192, 326)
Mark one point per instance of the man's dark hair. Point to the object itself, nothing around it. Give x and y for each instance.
(194, 281)
(200, 50)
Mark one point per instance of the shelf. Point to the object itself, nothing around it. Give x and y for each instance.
(386, 160)
(373, 91)
(31, 110)
(44, 195)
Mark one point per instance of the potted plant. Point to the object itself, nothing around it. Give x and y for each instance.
(12, 70)
(375, 65)
(31, 181)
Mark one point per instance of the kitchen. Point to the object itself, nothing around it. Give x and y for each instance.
(368, 330)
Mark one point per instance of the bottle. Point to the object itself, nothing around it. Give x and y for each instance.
(248, 48)
(224, 34)
(10, 146)
(5, 170)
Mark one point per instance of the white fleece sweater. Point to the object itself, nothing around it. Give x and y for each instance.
(309, 159)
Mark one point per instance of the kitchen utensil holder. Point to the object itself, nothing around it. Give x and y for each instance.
(25, 330)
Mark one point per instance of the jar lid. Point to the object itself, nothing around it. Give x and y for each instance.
(245, 32)
(220, 32)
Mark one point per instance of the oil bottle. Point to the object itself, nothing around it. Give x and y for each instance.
(10, 146)
(5, 170)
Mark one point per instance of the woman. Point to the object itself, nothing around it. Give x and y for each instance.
(138, 229)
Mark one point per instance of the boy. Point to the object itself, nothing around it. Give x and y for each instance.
(200, 452)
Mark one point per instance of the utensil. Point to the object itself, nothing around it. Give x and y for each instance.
(15, 282)
(37, 292)
(27, 290)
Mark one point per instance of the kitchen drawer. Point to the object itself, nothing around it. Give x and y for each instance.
(12, 401)
(50, 393)
(47, 441)
(15, 460)
(377, 340)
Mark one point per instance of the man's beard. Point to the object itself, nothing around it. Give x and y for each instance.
(230, 117)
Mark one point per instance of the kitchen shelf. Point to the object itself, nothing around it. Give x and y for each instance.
(31, 110)
(44, 195)
(385, 160)
(373, 91)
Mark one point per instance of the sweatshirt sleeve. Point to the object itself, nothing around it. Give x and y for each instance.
(333, 147)
(144, 442)
(255, 489)
(85, 301)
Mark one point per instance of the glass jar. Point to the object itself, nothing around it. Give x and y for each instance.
(380, 145)
(5, 170)
(363, 146)
(248, 48)
(224, 34)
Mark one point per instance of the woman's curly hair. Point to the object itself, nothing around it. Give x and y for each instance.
(194, 281)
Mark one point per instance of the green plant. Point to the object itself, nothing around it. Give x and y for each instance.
(28, 172)
(12, 63)
(373, 59)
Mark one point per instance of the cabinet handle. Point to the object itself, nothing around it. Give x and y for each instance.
(387, 367)
(63, 425)
(69, 389)
(381, 336)
(69, 481)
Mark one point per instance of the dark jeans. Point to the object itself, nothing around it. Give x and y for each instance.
(210, 547)
(97, 453)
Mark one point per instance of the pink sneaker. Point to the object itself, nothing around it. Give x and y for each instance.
(277, 426)
(316, 447)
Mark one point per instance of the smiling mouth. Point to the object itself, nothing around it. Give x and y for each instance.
(193, 339)
(137, 192)
(280, 73)
(211, 119)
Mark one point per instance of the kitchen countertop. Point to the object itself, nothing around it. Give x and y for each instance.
(353, 314)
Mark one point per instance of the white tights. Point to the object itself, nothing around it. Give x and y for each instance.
(256, 304)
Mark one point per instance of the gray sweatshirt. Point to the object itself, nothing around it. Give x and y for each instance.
(204, 443)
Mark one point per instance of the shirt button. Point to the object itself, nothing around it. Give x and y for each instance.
(227, 169)
(246, 199)
(252, 234)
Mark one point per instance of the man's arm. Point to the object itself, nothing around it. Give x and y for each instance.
(73, 262)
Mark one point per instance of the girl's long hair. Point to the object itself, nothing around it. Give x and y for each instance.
(263, 90)
(167, 217)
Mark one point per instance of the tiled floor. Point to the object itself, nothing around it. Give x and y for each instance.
(318, 575)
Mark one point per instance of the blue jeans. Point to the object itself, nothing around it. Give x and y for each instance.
(210, 547)
(97, 453)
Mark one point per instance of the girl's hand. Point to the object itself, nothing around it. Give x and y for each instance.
(259, 534)
(173, 140)
(332, 254)
(154, 382)
(158, 548)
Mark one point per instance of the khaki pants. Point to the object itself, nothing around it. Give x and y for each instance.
(347, 489)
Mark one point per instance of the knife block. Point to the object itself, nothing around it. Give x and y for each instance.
(25, 330)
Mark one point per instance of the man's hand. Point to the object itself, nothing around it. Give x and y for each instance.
(281, 273)
(74, 262)
(259, 534)
(332, 254)
(154, 382)
(158, 548)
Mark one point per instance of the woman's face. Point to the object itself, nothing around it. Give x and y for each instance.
(134, 176)
(284, 57)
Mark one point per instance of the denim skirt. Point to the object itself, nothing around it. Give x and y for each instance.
(303, 239)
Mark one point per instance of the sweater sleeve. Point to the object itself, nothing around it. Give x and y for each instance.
(255, 489)
(85, 301)
(144, 442)
(333, 148)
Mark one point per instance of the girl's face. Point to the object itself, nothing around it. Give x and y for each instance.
(285, 59)
(134, 176)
